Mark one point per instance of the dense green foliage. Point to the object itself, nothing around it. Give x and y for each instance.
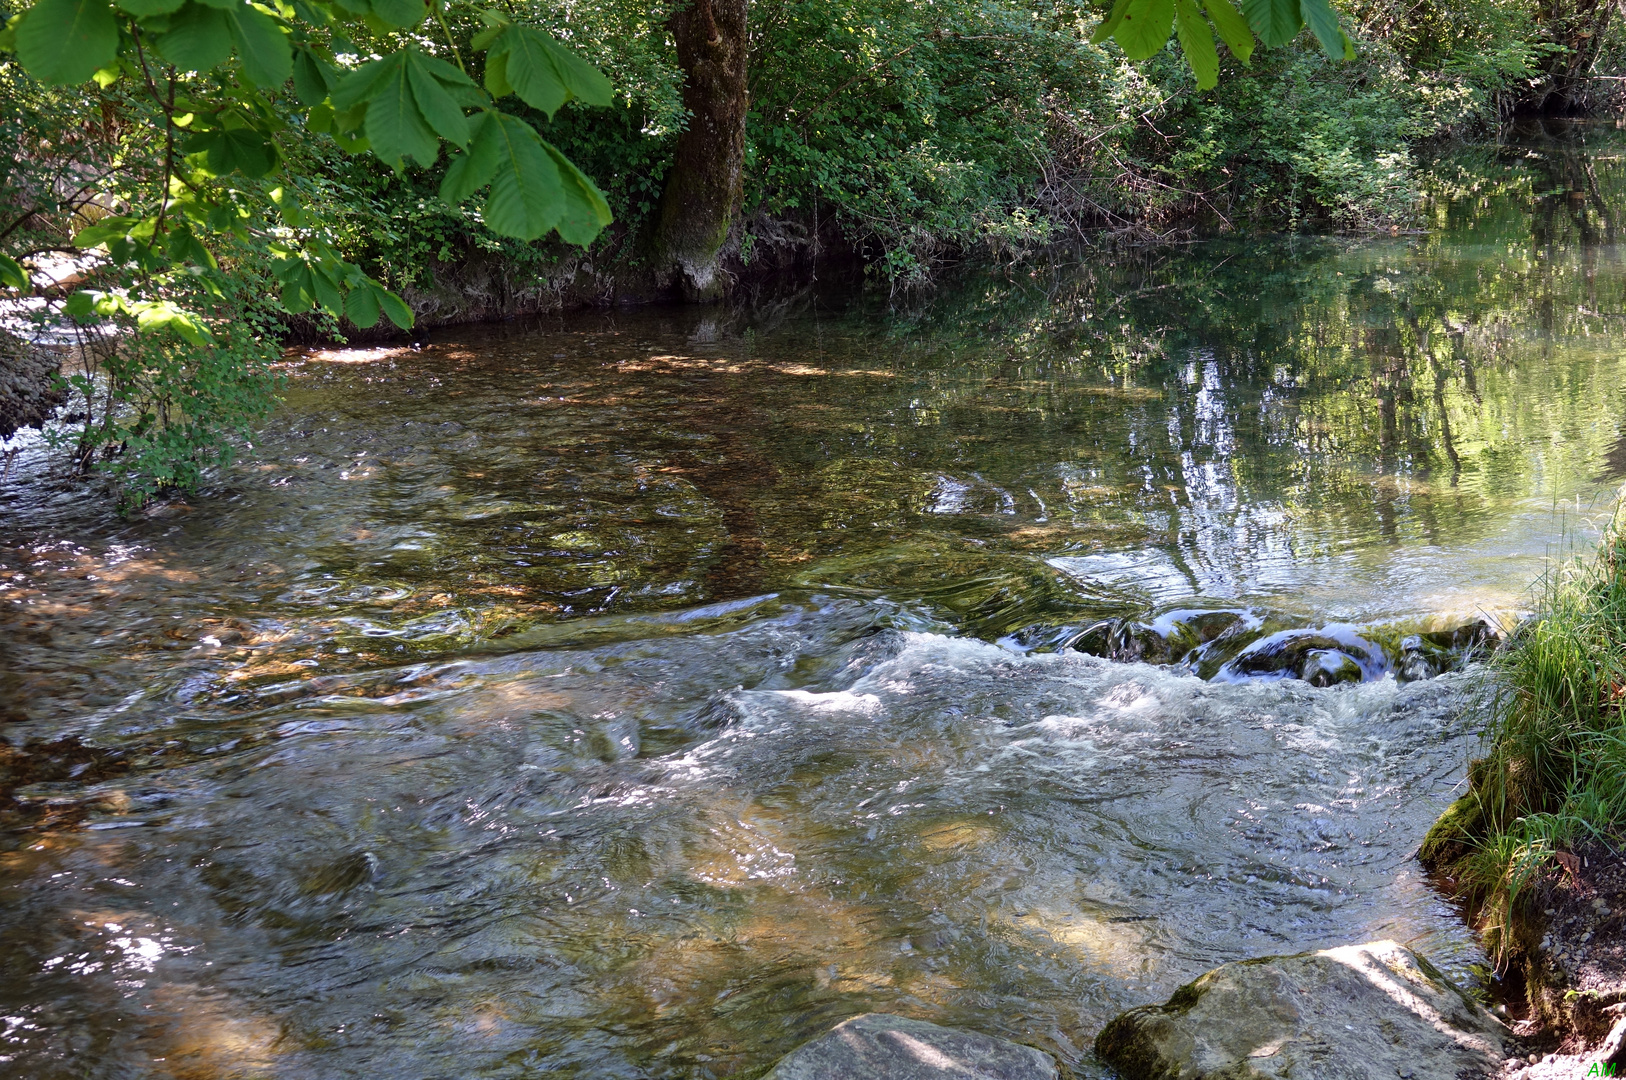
(218, 145)
(194, 190)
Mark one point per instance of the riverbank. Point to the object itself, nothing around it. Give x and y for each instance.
(646, 691)
(1533, 847)
(1575, 972)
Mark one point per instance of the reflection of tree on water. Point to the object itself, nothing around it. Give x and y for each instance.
(1434, 361)
(1614, 462)
(1570, 208)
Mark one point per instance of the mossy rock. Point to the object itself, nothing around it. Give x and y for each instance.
(1450, 839)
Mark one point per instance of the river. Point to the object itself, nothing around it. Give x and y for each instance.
(639, 693)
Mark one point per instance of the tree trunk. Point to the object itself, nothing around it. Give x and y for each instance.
(705, 188)
(1579, 26)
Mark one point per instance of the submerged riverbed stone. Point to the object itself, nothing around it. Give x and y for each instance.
(1362, 1012)
(877, 1046)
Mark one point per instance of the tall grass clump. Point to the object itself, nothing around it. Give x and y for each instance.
(1555, 772)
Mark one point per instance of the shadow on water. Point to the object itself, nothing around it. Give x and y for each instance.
(636, 694)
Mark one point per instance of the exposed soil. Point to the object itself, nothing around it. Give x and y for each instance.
(1577, 973)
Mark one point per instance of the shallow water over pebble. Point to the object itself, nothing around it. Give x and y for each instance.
(637, 694)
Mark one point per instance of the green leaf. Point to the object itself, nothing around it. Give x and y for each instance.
(361, 307)
(1275, 22)
(82, 306)
(327, 290)
(497, 75)
(442, 113)
(67, 41)
(527, 195)
(1197, 42)
(352, 142)
(1145, 27)
(587, 83)
(12, 274)
(289, 206)
(313, 77)
(440, 69)
(143, 9)
(351, 119)
(1232, 27)
(463, 89)
(183, 246)
(157, 316)
(396, 308)
(472, 170)
(298, 291)
(109, 228)
(315, 14)
(262, 46)
(1323, 22)
(395, 126)
(241, 150)
(298, 287)
(358, 86)
(320, 119)
(1109, 25)
(400, 14)
(586, 213)
(199, 38)
(546, 75)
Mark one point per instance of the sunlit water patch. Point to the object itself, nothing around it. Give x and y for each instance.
(619, 861)
(636, 694)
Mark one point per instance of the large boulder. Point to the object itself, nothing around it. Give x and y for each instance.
(876, 1046)
(28, 388)
(1362, 1012)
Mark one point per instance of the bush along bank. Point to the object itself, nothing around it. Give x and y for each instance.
(1534, 847)
(261, 179)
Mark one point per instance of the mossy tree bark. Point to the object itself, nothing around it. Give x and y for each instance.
(705, 188)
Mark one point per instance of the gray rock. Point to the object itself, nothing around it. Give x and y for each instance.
(1362, 1012)
(876, 1046)
(28, 390)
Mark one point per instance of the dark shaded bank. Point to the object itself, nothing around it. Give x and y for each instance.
(488, 287)
(28, 392)
(1552, 178)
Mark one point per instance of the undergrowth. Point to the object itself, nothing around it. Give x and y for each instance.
(1555, 772)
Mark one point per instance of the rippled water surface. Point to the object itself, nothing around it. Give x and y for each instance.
(637, 694)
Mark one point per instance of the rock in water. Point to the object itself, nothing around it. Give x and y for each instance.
(1362, 1012)
(876, 1046)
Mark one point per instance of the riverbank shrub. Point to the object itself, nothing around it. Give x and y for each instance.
(914, 135)
(1554, 772)
(908, 135)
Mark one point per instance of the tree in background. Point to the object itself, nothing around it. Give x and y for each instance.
(192, 188)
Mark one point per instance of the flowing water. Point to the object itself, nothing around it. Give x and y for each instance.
(639, 693)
